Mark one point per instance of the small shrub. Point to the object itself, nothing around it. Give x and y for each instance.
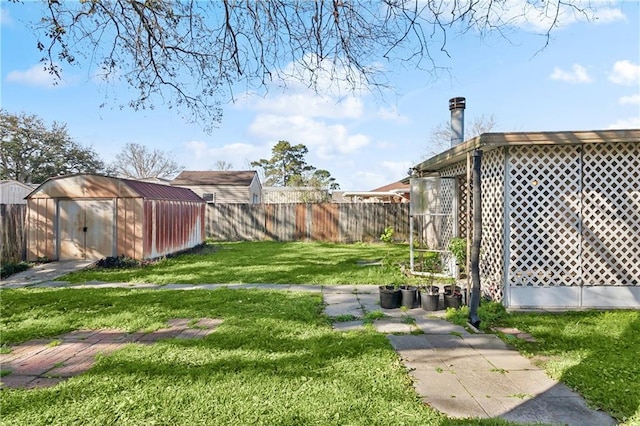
(387, 235)
(490, 313)
(345, 318)
(375, 315)
(13, 268)
(119, 262)
(458, 247)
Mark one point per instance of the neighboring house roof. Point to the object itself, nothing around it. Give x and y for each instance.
(156, 191)
(89, 185)
(6, 183)
(230, 178)
(394, 187)
(292, 189)
(158, 180)
(13, 191)
(489, 141)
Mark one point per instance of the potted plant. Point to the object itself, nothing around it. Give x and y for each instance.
(453, 293)
(458, 248)
(390, 294)
(452, 297)
(409, 296)
(429, 293)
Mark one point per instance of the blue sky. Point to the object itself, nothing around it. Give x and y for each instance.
(587, 78)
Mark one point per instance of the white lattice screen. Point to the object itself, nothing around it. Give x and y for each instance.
(611, 214)
(492, 250)
(574, 215)
(544, 207)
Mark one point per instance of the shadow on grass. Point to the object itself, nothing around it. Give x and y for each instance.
(253, 262)
(274, 360)
(595, 353)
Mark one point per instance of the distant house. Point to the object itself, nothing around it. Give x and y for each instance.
(13, 192)
(294, 194)
(222, 186)
(396, 192)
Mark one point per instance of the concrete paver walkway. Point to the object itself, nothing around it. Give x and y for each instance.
(463, 374)
(38, 363)
(458, 373)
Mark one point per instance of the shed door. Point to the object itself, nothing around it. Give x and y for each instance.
(85, 229)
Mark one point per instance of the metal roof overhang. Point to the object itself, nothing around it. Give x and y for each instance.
(489, 141)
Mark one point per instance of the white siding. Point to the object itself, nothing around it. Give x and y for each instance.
(13, 192)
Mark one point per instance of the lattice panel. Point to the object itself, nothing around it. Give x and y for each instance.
(463, 222)
(611, 214)
(457, 169)
(492, 250)
(459, 172)
(544, 206)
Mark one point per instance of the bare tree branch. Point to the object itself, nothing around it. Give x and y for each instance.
(192, 55)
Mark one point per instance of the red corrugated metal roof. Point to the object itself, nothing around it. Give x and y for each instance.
(154, 191)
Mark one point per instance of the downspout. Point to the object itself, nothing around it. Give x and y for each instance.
(469, 216)
(474, 319)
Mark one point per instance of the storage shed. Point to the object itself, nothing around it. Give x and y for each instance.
(90, 217)
(560, 215)
(13, 192)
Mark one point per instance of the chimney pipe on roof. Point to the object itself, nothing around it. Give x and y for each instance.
(457, 106)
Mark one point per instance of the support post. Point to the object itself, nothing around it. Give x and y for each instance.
(474, 319)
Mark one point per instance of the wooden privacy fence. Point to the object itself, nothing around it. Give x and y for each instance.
(12, 235)
(332, 222)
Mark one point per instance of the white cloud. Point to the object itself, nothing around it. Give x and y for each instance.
(629, 123)
(625, 72)
(327, 76)
(198, 155)
(630, 100)
(607, 15)
(5, 18)
(366, 181)
(541, 16)
(307, 103)
(578, 74)
(322, 139)
(392, 114)
(34, 76)
(397, 168)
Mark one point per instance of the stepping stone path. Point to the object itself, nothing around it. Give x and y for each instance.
(42, 363)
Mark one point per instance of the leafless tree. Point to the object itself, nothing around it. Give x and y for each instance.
(440, 137)
(222, 165)
(192, 54)
(137, 162)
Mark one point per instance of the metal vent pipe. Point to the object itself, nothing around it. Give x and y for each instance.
(457, 106)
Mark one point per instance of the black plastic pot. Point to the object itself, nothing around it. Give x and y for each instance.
(430, 298)
(453, 300)
(447, 289)
(409, 297)
(390, 297)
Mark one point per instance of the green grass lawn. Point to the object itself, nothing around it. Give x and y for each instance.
(596, 353)
(263, 262)
(273, 361)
